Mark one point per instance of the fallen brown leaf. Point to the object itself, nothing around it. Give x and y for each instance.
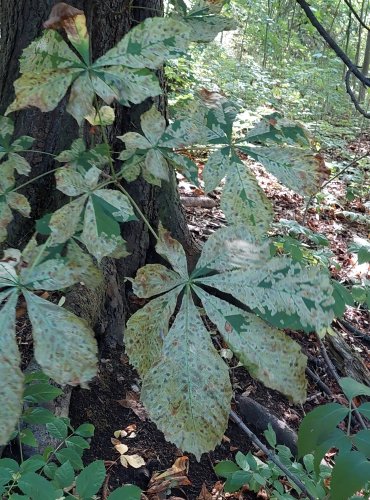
(132, 401)
(175, 476)
(204, 494)
(60, 13)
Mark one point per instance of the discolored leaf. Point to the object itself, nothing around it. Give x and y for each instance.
(187, 392)
(19, 202)
(154, 279)
(101, 117)
(205, 28)
(268, 354)
(171, 250)
(233, 247)
(11, 387)
(79, 156)
(297, 168)
(148, 45)
(146, 330)
(283, 293)
(80, 104)
(65, 221)
(65, 346)
(243, 201)
(216, 168)
(274, 128)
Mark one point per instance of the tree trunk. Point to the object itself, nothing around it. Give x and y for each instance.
(365, 69)
(108, 21)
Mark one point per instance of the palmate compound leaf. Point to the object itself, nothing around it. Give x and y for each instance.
(283, 293)
(11, 387)
(80, 156)
(154, 148)
(147, 328)
(297, 168)
(206, 26)
(268, 354)
(154, 279)
(98, 213)
(64, 344)
(48, 67)
(14, 160)
(188, 391)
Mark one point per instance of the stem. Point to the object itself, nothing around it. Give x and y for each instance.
(34, 179)
(349, 418)
(37, 151)
(20, 444)
(270, 455)
(137, 208)
(105, 138)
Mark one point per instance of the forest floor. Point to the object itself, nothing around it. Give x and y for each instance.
(112, 403)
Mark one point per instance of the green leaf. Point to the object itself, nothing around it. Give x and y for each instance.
(50, 469)
(270, 436)
(146, 330)
(154, 279)
(40, 393)
(351, 472)
(70, 455)
(65, 346)
(77, 34)
(226, 468)
(364, 409)
(127, 492)
(11, 377)
(78, 443)
(57, 428)
(85, 430)
(33, 464)
(352, 388)
(27, 437)
(362, 247)
(268, 354)
(243, 201)
(283, 293)
(64, 476)
(183, 164)
(89, 481)
(297, 168)
(8, 467)
(362, 442)
(237, 480)
(148, 45)
(37, 487)
(187, 392)
(317, 425)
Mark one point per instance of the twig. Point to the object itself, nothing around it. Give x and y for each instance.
(357, 16)
(270, 455)
(351, 94)
(105, 490)
(319, 382)
(355, 331)
(335, 375)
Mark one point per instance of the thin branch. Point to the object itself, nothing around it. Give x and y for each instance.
(354, 100)
(270, 455)
(357, 16)
(319, 382)
(333, 44)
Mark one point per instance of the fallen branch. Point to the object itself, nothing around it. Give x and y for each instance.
(257, 415)
(270, 455)
(319, 382)
(357, 333)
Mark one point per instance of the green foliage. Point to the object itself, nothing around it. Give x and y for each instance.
(59, 470)
(318, 433)
(250, 471)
